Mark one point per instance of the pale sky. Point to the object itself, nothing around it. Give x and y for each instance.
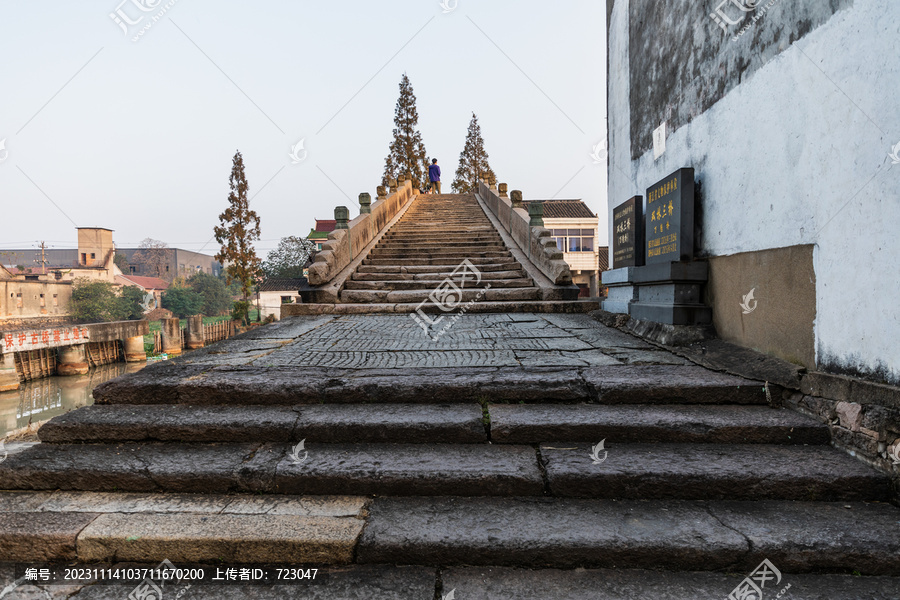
(138, 137)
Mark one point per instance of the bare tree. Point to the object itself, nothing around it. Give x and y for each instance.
(154, 256)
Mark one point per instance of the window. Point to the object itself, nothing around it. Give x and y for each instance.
(287, 300)
(83, 258)
(93, 256)
(574, 240)
(55, 300)
(19, 300)
(43, 301)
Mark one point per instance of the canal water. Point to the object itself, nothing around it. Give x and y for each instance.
(43, 399)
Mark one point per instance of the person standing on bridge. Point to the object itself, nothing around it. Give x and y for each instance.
(434, 174)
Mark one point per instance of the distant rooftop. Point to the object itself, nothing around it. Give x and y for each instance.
(564, 209)
(148, 283)
(278, 284)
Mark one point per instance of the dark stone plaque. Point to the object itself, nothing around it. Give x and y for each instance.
(628, 234)
(669, 218)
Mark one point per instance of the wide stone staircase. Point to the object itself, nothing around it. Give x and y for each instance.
(493, 478)
(430, 244)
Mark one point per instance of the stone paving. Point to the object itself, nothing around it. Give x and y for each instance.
(398, 342)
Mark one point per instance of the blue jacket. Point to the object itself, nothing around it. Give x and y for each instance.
(434, 173)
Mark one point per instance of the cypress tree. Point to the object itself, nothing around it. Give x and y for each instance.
(473, 160)
(407, 151)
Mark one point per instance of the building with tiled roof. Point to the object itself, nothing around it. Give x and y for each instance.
(574, 229)
(319, 235)
(275, 291)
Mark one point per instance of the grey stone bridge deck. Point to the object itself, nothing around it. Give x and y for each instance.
(465, 462)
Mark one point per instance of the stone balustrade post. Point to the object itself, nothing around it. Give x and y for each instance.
(171, 336)
(382, 192)
(134, 349)
(342, 216)
(517, 200)
(195, 337)
(72, 360)
(393, 185)
(503, 190)
(536, 213)
(9, 379)
(365, 203)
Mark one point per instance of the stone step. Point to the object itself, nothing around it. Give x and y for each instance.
(439, 250)
(504, 265)
(103, 527)
(735, 424)
(635, 471)
(435, 275)
(324, 423)
(417, 423)
(485, 235)
(182, 383)
(342, 582)
(526, 533)
(509, 583)
(383, 469)
(403, 242)
(440, 260)
(356, 296)
(432, 284)
(683, 535)
(710, 472)
(450, 254)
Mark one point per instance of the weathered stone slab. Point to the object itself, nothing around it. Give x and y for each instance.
(113, 423)
(33, 537)
(634, 384)
(411, 469)
(504, 583)
(229, 538)
(407, 423)
(533, 423)
(174, 467)
(710, 472)
(817, 536)
(542, 532)
(305, 385)
(647, 357)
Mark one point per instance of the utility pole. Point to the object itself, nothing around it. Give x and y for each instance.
(43, 259)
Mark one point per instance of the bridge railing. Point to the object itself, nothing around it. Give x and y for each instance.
(528, 231)
(351, 237)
